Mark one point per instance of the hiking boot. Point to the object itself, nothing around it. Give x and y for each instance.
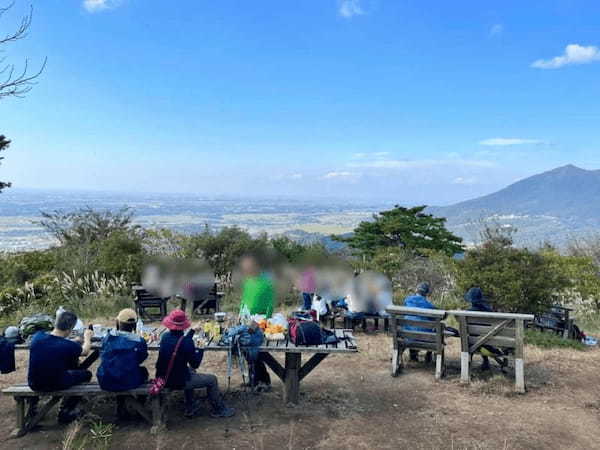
(193, 410)
(67, 416)
(223, 412)
(428, 358)
(263, 388)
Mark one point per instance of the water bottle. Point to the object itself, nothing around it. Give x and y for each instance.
(139, 326)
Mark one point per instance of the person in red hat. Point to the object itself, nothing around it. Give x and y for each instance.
(187, 358)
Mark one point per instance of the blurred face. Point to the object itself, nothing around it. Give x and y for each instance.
(249, 267)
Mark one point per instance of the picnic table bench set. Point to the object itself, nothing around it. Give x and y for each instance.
(410, 328)
(291, 373)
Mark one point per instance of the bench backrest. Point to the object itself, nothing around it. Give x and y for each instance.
(501, 330)
(418, 328)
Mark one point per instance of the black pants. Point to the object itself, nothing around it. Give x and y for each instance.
(258, 371)
(68, 403)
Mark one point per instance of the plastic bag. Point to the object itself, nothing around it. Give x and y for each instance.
(279, 319)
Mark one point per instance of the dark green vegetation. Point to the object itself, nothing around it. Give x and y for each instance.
(4, 144)
(409, 229)
(99, 255)
(551, 340)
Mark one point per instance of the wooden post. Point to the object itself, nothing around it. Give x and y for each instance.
(20, 430)
(158, 423)
(439, 354)
(465, 357)
(519, 357)
(292, 378)
(396, 353)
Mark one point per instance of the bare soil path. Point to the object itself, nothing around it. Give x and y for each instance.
(353, 402)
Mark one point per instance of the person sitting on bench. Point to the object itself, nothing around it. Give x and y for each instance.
(54, 364)
(475, 297)
(419, 300)
(122, 354)
(180, 348)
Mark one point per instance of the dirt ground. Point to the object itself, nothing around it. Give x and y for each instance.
(351, 401)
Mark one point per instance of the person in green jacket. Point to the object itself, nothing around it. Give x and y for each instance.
(257, 298)
(257, 289)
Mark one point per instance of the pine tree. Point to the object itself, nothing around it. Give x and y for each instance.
(4, 143)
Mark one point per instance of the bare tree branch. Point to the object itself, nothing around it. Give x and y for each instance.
(17, 83)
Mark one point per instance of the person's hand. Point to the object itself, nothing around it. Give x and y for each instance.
(197, 326)
(87, 335)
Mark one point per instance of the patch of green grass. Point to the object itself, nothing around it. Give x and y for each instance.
(551, 340)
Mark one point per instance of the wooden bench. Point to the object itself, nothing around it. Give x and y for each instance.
(21, 392)
(149, 306)
(403, 338)
(351, 323)
(557, 320)
(501, 330)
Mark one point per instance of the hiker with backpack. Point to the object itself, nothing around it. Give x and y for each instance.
(178, 359)
(257, 298)
(54, 364)
(123, 352)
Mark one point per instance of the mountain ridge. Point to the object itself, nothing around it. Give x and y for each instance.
(554, 206)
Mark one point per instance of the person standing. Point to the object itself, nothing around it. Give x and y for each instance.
(257, 298)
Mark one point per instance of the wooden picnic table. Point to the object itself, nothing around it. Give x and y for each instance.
(291, 373)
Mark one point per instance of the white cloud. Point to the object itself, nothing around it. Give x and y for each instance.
(504, 142)
(574, 54)
(296, 176)
(496, 29)
(420, 163)
(376, 155)
(464, 180)
(93, 6)
(350, 8)
(338, 174)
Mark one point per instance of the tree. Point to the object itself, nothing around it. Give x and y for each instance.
(513, 279)
(4, 144)
(16, 82)
(406, 228)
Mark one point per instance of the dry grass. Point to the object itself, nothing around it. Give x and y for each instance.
(351, 401)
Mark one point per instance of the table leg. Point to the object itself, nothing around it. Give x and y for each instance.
(292, 378)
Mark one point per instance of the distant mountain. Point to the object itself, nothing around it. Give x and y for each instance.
(553, 206)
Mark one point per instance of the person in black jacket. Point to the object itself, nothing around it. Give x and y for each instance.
(187, 359)
(475, 297)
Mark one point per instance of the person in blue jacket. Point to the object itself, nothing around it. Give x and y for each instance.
(475, 297)
(122, 354)
(419, 300)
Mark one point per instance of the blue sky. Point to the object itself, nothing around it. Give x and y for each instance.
(415, 101)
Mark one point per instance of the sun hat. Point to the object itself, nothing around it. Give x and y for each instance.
(127, 315)
(176, 321)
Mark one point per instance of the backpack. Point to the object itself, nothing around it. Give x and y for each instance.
(304, 332)
(32, 324)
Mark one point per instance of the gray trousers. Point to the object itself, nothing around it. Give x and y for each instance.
(207, 381)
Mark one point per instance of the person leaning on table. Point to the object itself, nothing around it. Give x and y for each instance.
(122, 354)
(54, 364)
(183, 374)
